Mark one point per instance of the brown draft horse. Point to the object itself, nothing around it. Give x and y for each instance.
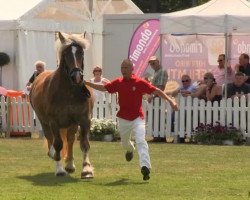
(62, 103)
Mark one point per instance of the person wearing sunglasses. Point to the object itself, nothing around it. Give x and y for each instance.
(209, 90)
(213, 90)
(219, 72)
(187, 87)
(98, 79)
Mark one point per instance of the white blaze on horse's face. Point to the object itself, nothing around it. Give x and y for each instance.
(73, 49)
(78, 75)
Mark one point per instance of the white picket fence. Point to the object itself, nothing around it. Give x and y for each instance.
(17, 115)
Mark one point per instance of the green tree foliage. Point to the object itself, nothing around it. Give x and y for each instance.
(4, 59)
(166, 6)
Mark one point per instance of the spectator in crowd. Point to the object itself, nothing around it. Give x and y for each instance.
(40, 67)
(187, 88)
(159, 80)
(238, 87)
(213, 90)
(160, 77)
(219, 73)
(98, 79)
(244, 66)
(210, 90)
(130, 90)
(200, 92)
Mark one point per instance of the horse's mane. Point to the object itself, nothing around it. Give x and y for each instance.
(69, 38)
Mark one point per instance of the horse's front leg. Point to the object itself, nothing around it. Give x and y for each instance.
(56, 149)
(87, 171)
(70, 166)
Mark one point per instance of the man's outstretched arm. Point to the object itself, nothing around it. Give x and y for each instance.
(95, 86)
(161, 94)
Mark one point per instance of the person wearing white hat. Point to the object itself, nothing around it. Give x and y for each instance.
(159, 80)
(160, 77)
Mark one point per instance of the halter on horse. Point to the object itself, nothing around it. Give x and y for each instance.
(62, 103)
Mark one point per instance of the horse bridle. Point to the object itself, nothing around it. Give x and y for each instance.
(77, 69)
(80, 70)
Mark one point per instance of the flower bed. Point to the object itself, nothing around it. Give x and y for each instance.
(216, 134)
(101, 128)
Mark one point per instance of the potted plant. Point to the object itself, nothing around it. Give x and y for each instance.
(217, 134)
(103, 130)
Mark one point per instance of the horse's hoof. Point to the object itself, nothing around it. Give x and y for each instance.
(87, 175)
(70, 170)
(61, 173)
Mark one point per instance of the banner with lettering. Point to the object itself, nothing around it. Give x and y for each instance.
(144, 43)
(239, 44)
(191, 54)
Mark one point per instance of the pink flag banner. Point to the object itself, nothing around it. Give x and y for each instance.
(144, 43)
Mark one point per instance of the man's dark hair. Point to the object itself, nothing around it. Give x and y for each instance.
(245, 56)
(223, 55)
(239, 74)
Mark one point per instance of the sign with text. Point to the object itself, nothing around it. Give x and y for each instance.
(144, 43)
(239, 44)
(191, 54)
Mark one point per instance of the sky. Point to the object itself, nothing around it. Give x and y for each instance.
(13, 9)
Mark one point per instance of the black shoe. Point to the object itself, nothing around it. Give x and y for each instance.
(129, 156)
(145, 172)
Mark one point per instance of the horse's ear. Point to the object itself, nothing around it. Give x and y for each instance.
(83, 35)
(61, 37)
(86, 36)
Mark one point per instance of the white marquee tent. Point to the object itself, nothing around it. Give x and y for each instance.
(215, 16)
(27, 31)
(226, 17)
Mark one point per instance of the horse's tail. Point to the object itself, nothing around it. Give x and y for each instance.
(63, 133)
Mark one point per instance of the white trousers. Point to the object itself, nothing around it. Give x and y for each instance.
(137, 128)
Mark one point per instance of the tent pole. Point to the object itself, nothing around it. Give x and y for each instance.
(226, 62)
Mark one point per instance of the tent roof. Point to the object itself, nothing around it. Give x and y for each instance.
(13, 9)
(215, 16)
(56, 14)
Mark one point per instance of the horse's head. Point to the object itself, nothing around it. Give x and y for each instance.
(71, 55)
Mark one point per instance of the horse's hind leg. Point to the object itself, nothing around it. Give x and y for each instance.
(58, 145)
(49, 137)
(87, 171)
(70, 166)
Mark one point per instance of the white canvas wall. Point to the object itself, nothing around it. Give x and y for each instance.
(33, 46)
(8, 45)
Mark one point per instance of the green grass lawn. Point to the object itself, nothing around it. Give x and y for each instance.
(180, 171)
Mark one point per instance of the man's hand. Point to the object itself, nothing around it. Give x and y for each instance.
(28, 87)
(174, 105)
(185, 93)
(150, 98)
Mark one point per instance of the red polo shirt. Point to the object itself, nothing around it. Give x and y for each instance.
(130, 94)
